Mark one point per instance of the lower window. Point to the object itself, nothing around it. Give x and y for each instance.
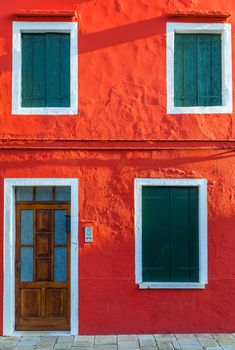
(171, 233)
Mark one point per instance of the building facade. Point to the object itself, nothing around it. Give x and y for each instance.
(117, 166)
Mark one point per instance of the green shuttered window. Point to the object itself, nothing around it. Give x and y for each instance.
(45, 70)
(197, 70)
(170, 234)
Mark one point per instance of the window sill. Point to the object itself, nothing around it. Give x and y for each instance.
(200, 110)
(45, 111)
(171, 285)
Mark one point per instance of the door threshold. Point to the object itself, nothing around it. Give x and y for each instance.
(39, 333)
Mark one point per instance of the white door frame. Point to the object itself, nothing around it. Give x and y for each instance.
(9, 248)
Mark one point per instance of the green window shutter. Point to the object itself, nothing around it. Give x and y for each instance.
(209, 70)
(155, 244)
(170, 246)
(57, 70)
(185, 70)
(197, 70)
(33, 70)
(46, 70)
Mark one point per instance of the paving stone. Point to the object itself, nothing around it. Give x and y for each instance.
(186, 336)
(167, 337)
(126, 338)
(65, 339)
(7, 346)
(136, 348)
(164, 345)
(203, 335)
(190, 344)
(207, 342)
(128, 345)
(224, 337)
(24, 347)
(186, 346)
(146, 340)
(43, 346)
(63, 346)
(176, 344)
(28, 342)
(48, 339)
(9, 339)
(105, 347)
(34, 337)
(227, 346)
(106, 339)
(83, 340)
(217, 341)
(82, 348)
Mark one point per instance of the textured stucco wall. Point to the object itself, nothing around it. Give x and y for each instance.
(109, 299)
(122, 96)
(122, 73)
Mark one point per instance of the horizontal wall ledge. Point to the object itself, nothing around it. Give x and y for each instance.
(208, 16)
(97, 145)
(45, 15)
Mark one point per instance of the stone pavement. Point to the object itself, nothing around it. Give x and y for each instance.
(220, 341)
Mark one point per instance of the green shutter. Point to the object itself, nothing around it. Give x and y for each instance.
(197, 70)
(170, 234)
(155, 245)
(33, 70)
(46, 70)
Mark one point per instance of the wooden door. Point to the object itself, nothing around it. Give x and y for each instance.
(42, 266)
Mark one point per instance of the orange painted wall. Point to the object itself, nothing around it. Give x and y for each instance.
(122, 96)
(122, 74)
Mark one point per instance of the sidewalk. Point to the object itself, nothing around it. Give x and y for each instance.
(225, 341)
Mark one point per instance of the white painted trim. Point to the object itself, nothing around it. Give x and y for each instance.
(39, 333)
(43, 27)
(9, 248)
(203, 264)
(225, 31)
(173, 285)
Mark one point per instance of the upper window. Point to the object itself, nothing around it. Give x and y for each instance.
(199, 68)
(171, 241)
(44, 68)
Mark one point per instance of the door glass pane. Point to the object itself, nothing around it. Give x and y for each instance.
(60, 264)
(60, 227)
(62, 193)
(26, 264)
(26, 226)
(44, 193)
(24, 193)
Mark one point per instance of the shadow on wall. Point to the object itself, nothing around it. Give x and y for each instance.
(120, 35)
(137, 163)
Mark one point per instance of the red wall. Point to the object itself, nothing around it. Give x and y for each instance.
(109, 299)
(122, 96)
(122, 74)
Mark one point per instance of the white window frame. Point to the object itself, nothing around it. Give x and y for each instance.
(9, 253)
(203, 264)
(43, 27)
(208, 28)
